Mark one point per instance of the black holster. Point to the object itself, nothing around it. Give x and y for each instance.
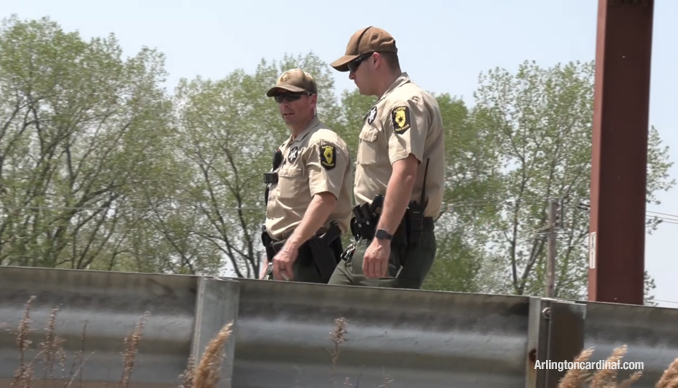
(267, 241)
(324, 250)
(366, 217)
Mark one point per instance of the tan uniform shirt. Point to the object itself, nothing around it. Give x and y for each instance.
(405, 120)
(316, 161)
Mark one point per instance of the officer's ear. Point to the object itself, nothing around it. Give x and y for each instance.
(314, 99)
(377, 60)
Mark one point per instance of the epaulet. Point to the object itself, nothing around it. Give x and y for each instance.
(322, 135)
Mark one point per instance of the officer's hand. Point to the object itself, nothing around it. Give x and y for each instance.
(282, 263)
(375, 261)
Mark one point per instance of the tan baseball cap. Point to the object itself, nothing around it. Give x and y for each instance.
(366, 40)
(295, 81)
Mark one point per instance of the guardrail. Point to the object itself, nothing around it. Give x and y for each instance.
(282, 329)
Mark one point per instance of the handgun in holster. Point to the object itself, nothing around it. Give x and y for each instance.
(275, 247)
(266, 241)
(269, 272)
(366, 217)
(326, 250)
(272, 247)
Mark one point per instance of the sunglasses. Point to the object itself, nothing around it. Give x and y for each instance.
(290, 97)
(353, 65)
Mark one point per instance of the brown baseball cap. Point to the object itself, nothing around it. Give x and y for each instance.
(366, 40)
(295, 81)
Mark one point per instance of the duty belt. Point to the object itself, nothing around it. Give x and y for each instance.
(366, 217)
(319, 247)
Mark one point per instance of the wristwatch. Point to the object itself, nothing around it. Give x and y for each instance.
(383, 235)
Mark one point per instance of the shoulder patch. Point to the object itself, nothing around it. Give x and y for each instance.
(328, 156)
(400, 116)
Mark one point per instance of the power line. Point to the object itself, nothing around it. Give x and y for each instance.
(448, 207)
(666, 301)
(663, 214)
(664, 218)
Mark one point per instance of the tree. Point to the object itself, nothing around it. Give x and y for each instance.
(472, 159)
(81, 129)
(542, 119)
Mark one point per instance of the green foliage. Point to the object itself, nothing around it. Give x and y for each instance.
(472, 181)
(354, 108)
(101, 168)
(542, 120)
(81, 128)
(649, 286)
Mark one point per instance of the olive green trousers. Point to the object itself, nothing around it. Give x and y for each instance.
(407, 267)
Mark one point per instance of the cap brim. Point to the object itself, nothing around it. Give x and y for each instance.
(294, 89)
(341, 64)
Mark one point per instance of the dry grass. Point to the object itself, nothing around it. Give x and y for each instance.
(131, 346)
(51, 351)
(24, 374)
(607, 377)
(206, 374)
(670, 377)
(187, 377)
(338, 337)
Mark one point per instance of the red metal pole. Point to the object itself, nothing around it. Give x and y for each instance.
(619, 155)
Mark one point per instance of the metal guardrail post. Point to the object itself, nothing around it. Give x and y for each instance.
(555, 336)
(217, 302)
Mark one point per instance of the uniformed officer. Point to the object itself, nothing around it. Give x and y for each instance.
(400, 170)
(309, 192)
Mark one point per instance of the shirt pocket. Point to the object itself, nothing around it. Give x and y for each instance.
(368, 149)
(291, 181)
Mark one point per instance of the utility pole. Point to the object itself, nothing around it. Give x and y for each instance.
(550, 229)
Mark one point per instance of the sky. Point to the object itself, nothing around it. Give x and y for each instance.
(443, 45)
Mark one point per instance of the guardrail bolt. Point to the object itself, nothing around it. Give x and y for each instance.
(546, 313)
